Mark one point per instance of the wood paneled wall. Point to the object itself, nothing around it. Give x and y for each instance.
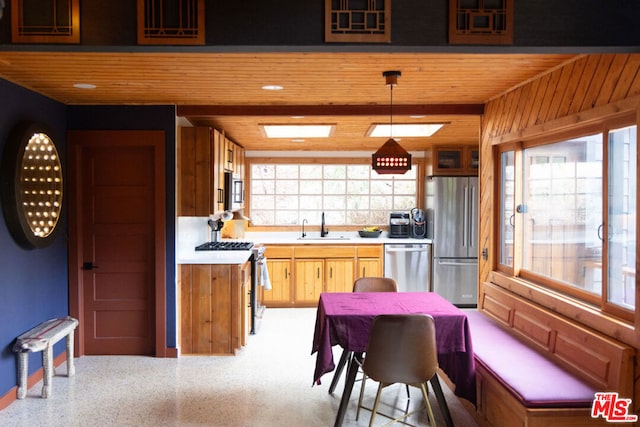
(556, 100)
(586, 89)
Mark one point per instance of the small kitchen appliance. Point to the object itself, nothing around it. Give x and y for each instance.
(418, 223)
(399, 225)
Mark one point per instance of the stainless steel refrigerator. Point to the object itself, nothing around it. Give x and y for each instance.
(452, 224)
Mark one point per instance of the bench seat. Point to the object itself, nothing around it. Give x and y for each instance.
(535, 380)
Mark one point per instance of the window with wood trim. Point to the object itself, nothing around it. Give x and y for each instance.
(45, 21)
(481, 21)
(358, 21)
(171, 22)
(568, 214)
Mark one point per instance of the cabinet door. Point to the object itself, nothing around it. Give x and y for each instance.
(280, 277)
(309, 281)
(245, 304)
(456, 160)
(195, 172)
(218, 170)
(195, 309)
(339, 274)
(369, 267)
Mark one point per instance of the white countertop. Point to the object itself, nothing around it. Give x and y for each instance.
(334, 238)
(214, 257)
(192, 232)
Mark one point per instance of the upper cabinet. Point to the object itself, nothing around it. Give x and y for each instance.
(455, 160)
(204, 155)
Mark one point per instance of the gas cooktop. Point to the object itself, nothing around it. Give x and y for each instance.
(225, 246)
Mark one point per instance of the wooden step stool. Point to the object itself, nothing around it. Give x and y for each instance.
(42, 338)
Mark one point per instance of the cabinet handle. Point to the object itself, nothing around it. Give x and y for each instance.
(364, 271)
(318, 272)
(330, 272)
(286, 273)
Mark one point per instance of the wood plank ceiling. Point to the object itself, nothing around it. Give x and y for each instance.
(223, 90)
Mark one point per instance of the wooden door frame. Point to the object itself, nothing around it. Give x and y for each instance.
(77, 140)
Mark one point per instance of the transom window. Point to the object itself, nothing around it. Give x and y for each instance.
(348, 194)
(569, 207)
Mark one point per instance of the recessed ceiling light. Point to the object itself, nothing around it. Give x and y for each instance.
(298, 131)
(418, 116)
(84, 86)
(297, 117)
(403, 129)
(272, 87)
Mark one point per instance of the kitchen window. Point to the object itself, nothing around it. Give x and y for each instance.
(348, 193)
(567, 217)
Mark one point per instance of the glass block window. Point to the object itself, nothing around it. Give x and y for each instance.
(353, 194)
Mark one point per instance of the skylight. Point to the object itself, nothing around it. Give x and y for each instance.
(403, 129)
(299, 131)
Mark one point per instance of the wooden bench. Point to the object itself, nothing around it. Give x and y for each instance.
(42, 338)
(535, 368)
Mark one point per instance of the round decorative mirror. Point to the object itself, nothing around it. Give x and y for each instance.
(31, 186)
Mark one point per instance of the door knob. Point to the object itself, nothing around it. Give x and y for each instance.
(88, 266)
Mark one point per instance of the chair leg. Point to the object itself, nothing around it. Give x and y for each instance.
(442, 402)
(375, 404)
(346, 354)
(364, 381)
(432, 419)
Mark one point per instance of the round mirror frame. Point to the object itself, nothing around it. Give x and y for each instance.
(31, 186)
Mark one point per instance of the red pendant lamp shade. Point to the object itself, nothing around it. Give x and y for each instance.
(391, 158)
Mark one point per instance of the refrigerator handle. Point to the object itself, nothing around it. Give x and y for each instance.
(465, 222)
(470, 218)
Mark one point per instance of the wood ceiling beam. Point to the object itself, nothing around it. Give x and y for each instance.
(328, 110)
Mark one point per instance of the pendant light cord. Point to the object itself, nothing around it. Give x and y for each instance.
(391, 111)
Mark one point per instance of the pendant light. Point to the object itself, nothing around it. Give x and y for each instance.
(391, 158)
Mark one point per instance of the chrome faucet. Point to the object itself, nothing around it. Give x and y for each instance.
(303, 233)
(323, 231)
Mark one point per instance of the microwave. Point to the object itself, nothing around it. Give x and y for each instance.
(233, 191)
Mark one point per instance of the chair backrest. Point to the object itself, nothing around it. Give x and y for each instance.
(401, 349)
(375, 284)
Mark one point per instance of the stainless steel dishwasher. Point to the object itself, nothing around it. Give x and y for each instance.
(409, 264)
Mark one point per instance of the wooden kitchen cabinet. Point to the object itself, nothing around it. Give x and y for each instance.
(204, 154)
(309, 281)
(339, 274)
(280, 268)
(280, 277)
(197, 193)
(299, 273)
(455, 160)
(370, 261)
(214, 311)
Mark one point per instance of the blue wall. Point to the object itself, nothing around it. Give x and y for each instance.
(34, 283)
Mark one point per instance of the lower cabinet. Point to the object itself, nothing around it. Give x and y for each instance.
(214, 311)
(309, 282)
(298, 274)
(339, 273)
(280, 267)
(370, 261)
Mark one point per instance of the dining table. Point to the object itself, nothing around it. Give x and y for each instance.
(345, 319)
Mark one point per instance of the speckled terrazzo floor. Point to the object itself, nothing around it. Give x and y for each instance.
(267, 384)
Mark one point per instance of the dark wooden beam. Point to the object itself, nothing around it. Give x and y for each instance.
(328, 110)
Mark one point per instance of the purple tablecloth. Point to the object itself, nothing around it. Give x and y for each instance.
(345, 319)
